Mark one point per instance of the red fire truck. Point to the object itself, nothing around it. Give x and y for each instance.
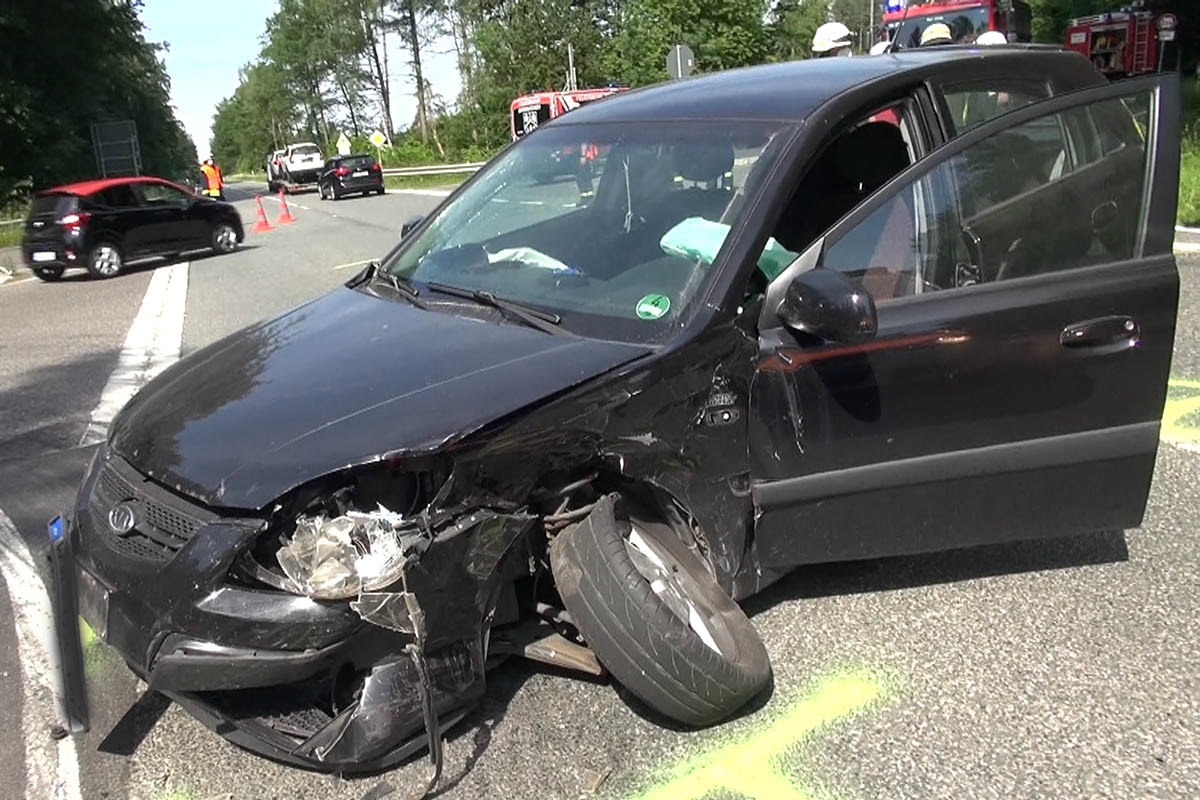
(965, 18)
(531, 110)
(1130, 41)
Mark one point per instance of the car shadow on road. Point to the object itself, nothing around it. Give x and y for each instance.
(950, 566)
(81, 275)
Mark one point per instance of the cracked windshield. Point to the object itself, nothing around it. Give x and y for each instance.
(598, 221)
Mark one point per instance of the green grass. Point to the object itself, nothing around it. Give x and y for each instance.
(1189, 156)
(426, 181)
(1189, 178)
(10, 235)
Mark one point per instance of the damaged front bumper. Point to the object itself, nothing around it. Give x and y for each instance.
(311, 683)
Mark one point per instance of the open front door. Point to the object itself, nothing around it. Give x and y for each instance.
(1026, 297)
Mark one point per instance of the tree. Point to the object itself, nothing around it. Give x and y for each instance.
(792, 26)
(419, 23)
(103, 70)
(723, 34)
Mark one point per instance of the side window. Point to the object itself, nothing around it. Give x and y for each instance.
(849, 170)
(119, 196)
(972, 104)
(1007, 207)
(160, 194)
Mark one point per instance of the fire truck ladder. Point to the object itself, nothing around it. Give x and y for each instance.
(1141, 44)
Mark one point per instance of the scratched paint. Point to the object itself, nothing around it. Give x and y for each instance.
(1181, 414)
(753, 768)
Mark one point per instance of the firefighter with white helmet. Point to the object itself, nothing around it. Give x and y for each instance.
(936, 34)
(992, 37)
(880, 47)
(831, 39)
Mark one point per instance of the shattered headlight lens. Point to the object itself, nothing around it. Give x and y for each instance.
(341, 557)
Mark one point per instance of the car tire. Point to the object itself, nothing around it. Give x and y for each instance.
(224, 238)
(49, 274)
(600, 566)
(104, 260)
(333, 193)
(320, 191)
(382, 190)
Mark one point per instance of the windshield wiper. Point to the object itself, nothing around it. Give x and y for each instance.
(545, 321)
(403, 287)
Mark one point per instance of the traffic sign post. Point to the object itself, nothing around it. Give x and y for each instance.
(680, 61)
(380, 141)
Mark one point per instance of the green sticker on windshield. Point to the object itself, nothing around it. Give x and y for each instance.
(653, 306)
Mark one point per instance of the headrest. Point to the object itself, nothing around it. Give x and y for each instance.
(704, 161)
(871, 154)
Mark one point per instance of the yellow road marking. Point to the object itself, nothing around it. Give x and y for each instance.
(1178, 424)
(751, 768)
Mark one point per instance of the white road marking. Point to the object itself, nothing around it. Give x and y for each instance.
(51, 768)
(1187, 247)
(1186, 229)
(152, 344)
(6, 282)
(426, 192)
(354, 264)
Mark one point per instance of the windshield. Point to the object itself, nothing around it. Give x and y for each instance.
(965, 25)
(612, 226)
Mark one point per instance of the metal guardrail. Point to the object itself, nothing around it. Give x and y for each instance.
(11, 221)
(433, 169)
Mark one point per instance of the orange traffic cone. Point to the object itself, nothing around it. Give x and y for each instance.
(261, 225)
(285, 216)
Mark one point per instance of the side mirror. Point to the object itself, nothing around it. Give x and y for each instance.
(409, 224)
(825, 304)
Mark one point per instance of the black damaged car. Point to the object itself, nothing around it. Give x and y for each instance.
(914, 302)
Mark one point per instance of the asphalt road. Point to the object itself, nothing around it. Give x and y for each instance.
(1052, 669)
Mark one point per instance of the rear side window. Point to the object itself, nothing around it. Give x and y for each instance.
(974, 103)
(52, 204)
(120, 196)
(1010, 206)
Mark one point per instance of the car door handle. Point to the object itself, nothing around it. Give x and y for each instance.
(1103, 335)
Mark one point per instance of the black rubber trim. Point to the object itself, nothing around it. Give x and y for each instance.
(1052, 451)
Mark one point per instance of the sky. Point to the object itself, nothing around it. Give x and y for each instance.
(211, 41)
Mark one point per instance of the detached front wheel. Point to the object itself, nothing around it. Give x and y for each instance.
(656, 618)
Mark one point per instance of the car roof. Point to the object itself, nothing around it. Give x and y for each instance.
(791, 90)
(91, 187)
(339, 157)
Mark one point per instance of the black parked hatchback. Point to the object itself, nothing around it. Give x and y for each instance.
(928, 303)
(103, 224)
(343, 175)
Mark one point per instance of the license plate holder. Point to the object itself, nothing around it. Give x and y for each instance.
(362, 173)
(44, 255)
(93, 604)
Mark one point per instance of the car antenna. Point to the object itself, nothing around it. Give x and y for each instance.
(892, 47)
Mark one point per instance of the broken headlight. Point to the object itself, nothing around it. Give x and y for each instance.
(334, 558)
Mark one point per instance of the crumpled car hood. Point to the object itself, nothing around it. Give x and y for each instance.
(337, 382)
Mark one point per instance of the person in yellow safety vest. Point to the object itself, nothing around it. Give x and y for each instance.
(213, 186)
